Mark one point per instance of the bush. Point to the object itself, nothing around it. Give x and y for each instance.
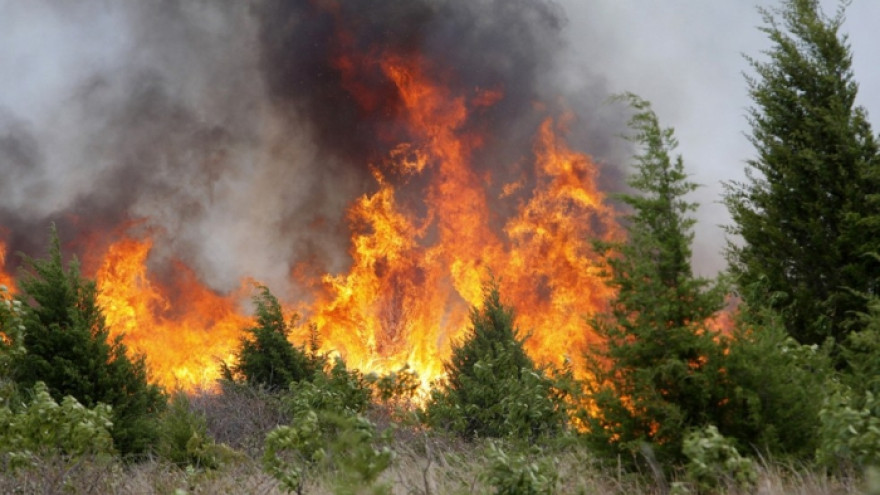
(397, 387)
(183, 438)
(327, 432)
(774, 388)
(68, 347)
(518, 474)
(265, 356)
(44, 427)
(849, 435)
(492, 388)
(11, 341)
(714, 463)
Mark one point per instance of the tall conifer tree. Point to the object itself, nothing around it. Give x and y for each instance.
(658, 372)
(808, 213)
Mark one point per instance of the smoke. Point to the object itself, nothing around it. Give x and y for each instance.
(230, 130)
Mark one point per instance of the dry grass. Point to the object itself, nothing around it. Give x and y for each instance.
(423, 466)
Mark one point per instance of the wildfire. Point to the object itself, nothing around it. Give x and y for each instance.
(183, 341)
(423, 243)
(414, 277)
(5, 278)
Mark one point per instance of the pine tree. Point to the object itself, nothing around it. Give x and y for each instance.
(657, 373)
(68, 347)
(266, 357)
(809, 212)
(493, 388)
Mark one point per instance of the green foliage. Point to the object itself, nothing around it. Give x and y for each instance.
(850, 415)
(265, 356)
(11, 341)
(861, 349)
(714, 463)
(397, 387)
(183, 438)
(659, 370)
(850, 429)
(338, 389)
(774, 387)
(68, 347)
(44, 427)
(516, 473)
(808, 212)
(492, 387)
(328, 432)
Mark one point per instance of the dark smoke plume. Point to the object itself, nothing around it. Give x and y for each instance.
(227, 128)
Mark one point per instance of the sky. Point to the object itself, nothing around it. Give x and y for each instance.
(686, 56)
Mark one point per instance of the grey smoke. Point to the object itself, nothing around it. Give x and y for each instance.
(222, 124)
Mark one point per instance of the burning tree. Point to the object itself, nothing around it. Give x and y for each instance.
(657, 372)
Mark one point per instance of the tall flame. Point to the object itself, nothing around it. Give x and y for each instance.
(406, 298)
(183, 339)
(423, 244)
(5, 278)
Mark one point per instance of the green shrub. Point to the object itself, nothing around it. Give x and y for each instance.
(849, 435)
(68, 347)
(518, 474)
(11, 341)
(713, 463)
(183, 438)
(265, 356)
(492, 388)
(774, 388)
(44, 427)
(327, 432)
(397, 387)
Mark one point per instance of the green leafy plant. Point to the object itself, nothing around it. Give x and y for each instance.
(183, 438)
(774, 387)
(849, 434)
(327, 432)
(713, 463)
(397, 387)
(44, 427)
(517, 473)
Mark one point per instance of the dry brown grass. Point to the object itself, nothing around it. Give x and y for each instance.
(423, 466)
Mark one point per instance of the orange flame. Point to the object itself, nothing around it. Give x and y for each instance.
(418, 263)
(182, 342)
(414, 277)
(5, 278)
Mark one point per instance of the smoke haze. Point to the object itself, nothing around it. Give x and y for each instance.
(228, 130)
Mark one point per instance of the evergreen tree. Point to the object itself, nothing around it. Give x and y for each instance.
(493, 389)
(658, 372)
(68, 347)
(266, 357)
(809, 211)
